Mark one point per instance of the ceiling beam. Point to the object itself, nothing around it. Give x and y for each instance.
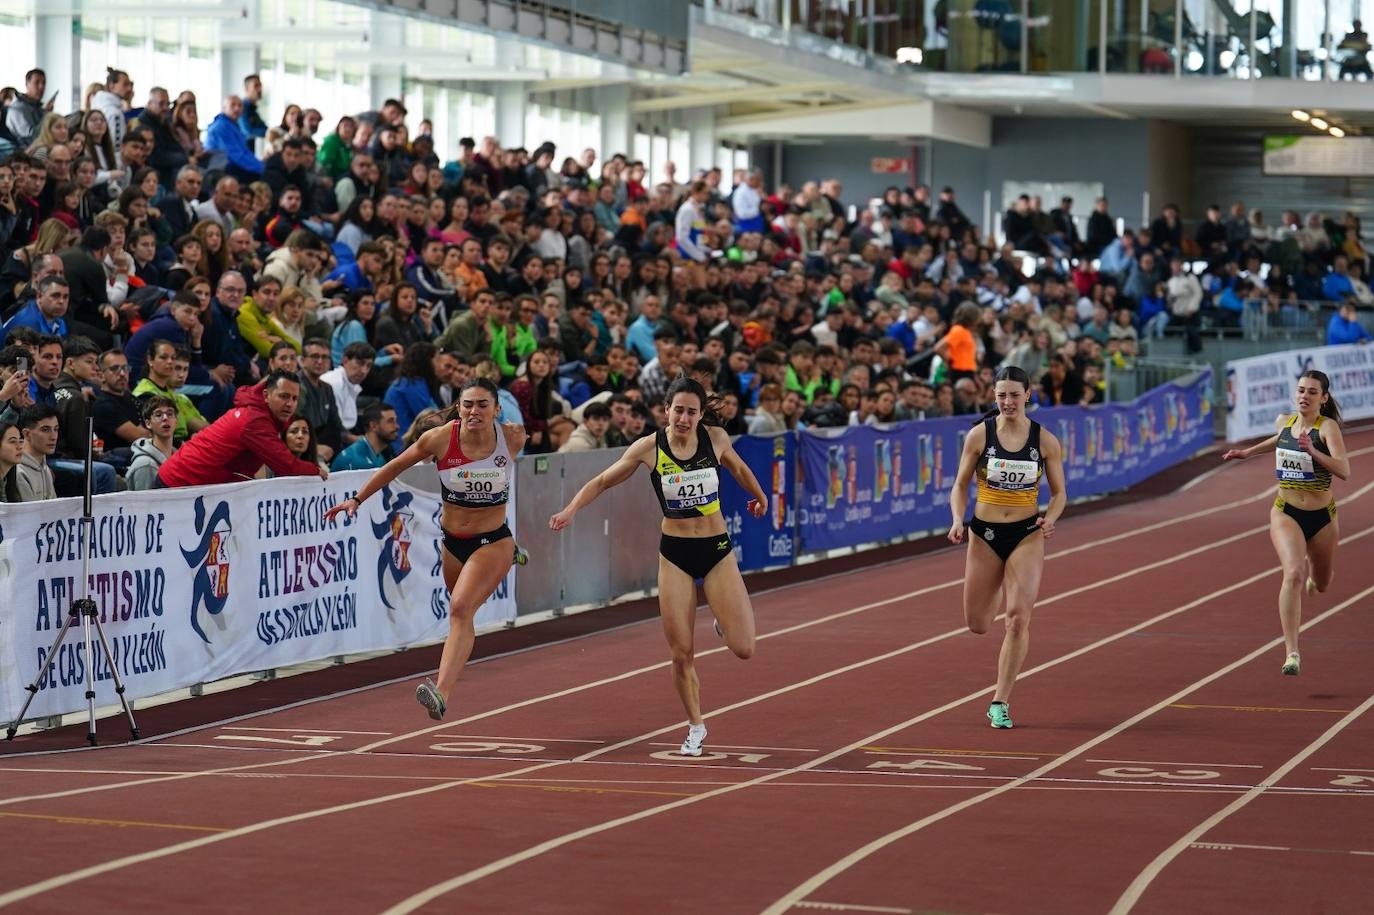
(726, 96)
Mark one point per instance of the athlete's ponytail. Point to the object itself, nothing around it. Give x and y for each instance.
(1330, 409)
(1006, 373)
(710, 403)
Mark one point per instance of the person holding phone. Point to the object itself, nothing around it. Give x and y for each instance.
(14, 381)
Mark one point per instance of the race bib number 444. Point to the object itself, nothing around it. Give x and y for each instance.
(1293, 466)
(1004, 474)
(691, 489)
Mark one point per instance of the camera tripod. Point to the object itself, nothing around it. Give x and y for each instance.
(84, 609)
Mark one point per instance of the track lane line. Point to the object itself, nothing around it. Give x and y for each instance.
(426, 896)
(825, 876)
(58, 881)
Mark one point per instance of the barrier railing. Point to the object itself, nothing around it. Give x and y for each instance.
(200, 584)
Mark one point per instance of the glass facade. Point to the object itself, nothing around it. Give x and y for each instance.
(1239, 39)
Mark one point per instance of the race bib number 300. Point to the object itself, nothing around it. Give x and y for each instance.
(692, 489)
(1005, 474)
(485, 485)
(1293, 466)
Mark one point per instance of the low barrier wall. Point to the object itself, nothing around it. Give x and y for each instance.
(1260, 388)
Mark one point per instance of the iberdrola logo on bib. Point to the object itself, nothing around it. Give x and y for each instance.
(209, 558)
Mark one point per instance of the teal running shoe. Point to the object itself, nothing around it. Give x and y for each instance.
(999, 714)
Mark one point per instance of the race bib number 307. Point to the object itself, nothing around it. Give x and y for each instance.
(1293, 466)
(1005, 474)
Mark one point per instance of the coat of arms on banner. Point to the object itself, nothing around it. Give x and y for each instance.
(395, 530)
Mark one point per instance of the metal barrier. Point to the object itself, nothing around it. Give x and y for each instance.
(1145, 374)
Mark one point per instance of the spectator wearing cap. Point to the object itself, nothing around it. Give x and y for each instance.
(242, 441)
(373, 448)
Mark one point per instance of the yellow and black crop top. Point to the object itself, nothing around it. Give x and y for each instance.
(690, 488)
(1294, 467)
(1010, 477)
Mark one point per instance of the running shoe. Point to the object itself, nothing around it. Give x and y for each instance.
(427, 694)
(1290, 667)
(696, 736)
(715, 624)
(522, 555)
(999, 714)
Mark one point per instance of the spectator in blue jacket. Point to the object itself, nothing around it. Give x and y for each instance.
(224, 136)
(415, 388)
(1336, 286)
(1345, 327)
(45, 313)
(1232, 302)
(373, 449)
(248, 118)
(176, 323)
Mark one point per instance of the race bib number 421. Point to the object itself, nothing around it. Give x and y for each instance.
(691, 489)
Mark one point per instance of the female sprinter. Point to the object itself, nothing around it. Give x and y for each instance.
(1006, 552)
(1308, 450)
(474, 459)
(683, 462)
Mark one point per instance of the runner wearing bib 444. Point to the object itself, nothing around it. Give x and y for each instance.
(684, 462)
(1308, 451)
(1007, 453)
(474, 458)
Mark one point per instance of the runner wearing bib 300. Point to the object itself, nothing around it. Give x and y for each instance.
(482, 483)
(1308, 451)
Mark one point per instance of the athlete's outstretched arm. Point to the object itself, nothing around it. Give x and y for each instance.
(958, 496)
(422, 449)
(1240, 454)
(613, 475)
(1338, 462)
(1054, 475)
(731, 461)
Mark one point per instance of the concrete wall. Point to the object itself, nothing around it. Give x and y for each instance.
(849, 160)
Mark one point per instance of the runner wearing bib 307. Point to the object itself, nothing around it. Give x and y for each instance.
(684, 462)
(474, 458)
(1009, 454)
(1308, 451)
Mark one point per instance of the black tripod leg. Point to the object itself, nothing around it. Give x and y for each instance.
(43, 672)
(114, 671)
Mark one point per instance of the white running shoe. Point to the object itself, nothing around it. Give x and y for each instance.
(1290, 666)
(696, 736)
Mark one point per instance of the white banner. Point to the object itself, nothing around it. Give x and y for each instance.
(1260, 388)
(195, 585)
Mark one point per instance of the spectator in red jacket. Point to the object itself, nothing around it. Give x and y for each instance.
(241, 441)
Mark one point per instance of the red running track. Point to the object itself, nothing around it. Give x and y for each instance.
(1159, 763)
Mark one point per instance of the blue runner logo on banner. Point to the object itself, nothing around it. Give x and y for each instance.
(210, 560)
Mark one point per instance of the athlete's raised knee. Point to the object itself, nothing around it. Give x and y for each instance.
(744, 651)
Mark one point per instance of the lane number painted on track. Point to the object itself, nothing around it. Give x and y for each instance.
(1353, 781)
(295, 740)
(912, 764)
(1182, 775)
(487, 746)
(712, 755)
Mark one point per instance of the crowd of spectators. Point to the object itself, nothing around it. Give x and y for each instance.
(232, 299)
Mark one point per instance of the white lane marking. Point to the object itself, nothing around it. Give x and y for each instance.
(308, 731)
(59, 880)
(726, 746)
(1143, 880)
(1338, 769)
(527, 739)
(851, 907)
(428, 895)
(1156, 762)
(834, 870)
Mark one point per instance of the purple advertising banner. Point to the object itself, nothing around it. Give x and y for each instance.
(864, 484)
